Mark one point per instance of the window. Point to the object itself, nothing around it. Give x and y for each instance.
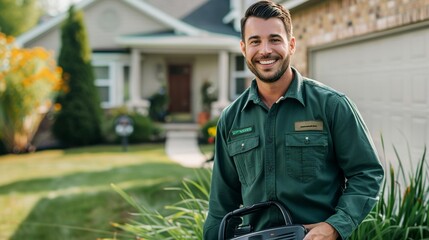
(241, 76)
(103, 82)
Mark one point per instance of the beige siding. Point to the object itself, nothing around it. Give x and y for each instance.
(109, 19)
(105, 20)
(177, 8)
(151, 79)
(51, 41)
(205, 68)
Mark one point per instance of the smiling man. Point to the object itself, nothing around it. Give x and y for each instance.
(290, 139)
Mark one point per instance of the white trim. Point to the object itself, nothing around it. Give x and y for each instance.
(106, 82)
(234, 15)
(235, 74)
(182, 43)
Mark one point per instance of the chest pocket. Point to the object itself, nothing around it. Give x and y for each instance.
(306, 154)
(247, 158)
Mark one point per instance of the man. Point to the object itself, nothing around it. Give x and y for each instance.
(291, 139)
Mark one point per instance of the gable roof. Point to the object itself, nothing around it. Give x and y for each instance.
(209, 16)
(215, 36)
(178, 26)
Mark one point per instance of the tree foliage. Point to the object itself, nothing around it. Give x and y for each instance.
(79, 120)
(16, 17)
(29, 80)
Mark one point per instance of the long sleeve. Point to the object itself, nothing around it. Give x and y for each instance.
(358, 159)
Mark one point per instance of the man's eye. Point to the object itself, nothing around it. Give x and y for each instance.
(254, 42)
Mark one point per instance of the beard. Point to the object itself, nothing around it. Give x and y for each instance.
(267, 77)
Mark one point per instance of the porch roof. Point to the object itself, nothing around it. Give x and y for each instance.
(170, 42)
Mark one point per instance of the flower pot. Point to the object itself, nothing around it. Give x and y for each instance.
(203, 118)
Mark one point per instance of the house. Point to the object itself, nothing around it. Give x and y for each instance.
(141, 47)
(375, 51)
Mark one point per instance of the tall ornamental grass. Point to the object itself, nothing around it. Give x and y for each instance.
(183, 221)
(402, 212)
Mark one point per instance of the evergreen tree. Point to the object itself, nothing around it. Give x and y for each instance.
(16, 17)
(79, 120)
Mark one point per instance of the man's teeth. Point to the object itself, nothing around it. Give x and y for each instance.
(266, 62)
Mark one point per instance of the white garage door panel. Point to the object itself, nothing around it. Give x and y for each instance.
(388, 79)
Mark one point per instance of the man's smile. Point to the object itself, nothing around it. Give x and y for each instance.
(267, 62)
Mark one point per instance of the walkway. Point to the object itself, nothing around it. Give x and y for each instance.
(182, 145)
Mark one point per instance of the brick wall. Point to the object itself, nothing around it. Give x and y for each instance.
(331, 20)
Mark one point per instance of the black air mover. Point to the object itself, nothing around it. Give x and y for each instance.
(287, 232)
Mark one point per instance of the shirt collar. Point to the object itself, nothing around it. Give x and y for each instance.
(294, 91)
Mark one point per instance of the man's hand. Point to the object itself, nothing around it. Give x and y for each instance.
(320, 231)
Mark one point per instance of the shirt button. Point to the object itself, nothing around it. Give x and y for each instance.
(242, 146)
(307, 140)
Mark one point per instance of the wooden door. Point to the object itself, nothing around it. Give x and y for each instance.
(179, 88)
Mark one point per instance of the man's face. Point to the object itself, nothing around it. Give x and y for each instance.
(266, 48)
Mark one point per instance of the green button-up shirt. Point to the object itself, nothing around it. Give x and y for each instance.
(311, 151)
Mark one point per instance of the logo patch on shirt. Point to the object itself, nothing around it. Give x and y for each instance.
(309, 126)
(237, 132)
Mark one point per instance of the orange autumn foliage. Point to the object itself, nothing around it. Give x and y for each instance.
(29, 80)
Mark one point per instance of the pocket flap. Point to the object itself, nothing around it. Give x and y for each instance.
(306, 139)
(242, 145)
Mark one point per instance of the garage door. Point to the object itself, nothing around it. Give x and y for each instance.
(388, 78)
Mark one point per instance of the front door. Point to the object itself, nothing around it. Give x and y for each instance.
(179, 88)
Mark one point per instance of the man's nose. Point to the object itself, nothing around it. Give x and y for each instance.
(265, 48)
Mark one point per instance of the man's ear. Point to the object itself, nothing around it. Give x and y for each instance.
(292, 45)
(243, 48)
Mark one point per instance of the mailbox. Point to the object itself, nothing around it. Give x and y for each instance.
(124, 128)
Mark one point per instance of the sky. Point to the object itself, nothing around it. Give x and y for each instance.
(58, 6)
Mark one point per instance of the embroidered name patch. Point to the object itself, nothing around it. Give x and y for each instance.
(237, 132)
(309, 126)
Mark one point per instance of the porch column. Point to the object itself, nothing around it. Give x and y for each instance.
(222, 101)
(136, 102)
(135, 76)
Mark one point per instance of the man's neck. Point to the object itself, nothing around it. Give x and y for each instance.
(272, 92)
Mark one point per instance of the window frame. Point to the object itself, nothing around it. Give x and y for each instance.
(237, 74)
(106, 82)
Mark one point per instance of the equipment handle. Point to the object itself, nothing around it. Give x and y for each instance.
(251, 209)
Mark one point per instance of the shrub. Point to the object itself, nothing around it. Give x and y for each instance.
(79, 119)
(29, 81)
(208, 95)
(158, 105)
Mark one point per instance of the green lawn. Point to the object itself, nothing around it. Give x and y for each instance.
(67, 194)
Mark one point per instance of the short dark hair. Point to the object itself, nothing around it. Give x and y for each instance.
(268, 9)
